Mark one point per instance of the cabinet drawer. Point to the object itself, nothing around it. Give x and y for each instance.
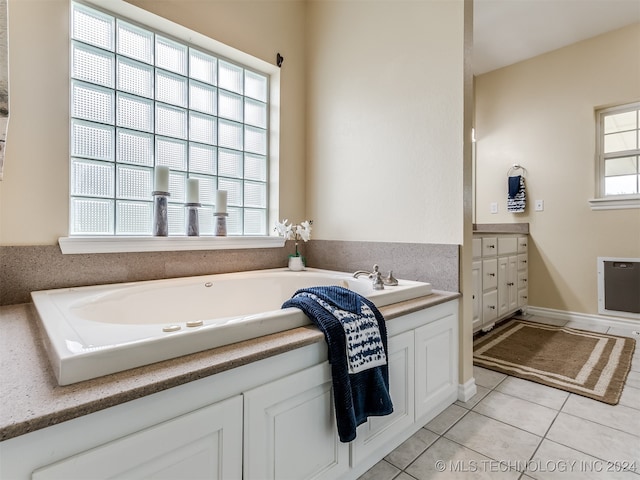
(476, 246)
(489, 307)
(489, 274)
(522, 261)
(507, 245)
(523, 243)
(489, 246)
(522, 280)
(523, 297)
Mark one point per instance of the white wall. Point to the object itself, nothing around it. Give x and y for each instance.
(385, 120)
(540, 113)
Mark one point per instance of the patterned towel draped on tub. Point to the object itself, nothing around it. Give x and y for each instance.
(356, 337)
(516, 200)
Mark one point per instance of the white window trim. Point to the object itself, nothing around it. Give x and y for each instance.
(112, 244)
(610, 202)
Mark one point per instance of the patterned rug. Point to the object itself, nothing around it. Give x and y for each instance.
(591, 364)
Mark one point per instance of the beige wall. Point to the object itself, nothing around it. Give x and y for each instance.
(540, 113)
(34, 193)
(385, 120)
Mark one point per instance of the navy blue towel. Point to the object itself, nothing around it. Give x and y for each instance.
(356, 396)
(514, 186)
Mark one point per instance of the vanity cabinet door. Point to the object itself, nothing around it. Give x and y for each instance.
(476, 276)
(206, 443)
(290, 429)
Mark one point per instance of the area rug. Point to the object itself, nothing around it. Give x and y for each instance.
(590, 364)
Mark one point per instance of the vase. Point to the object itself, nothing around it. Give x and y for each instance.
(296, 263)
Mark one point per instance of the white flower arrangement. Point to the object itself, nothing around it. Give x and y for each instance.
(297, 232)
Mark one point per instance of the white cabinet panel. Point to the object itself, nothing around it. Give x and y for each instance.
(523, 244)
(436, 362)
(522, 261)
(507, 245)
(489, 307)
(377, 430)
(476, 245)
(476, 276)
(290, 429)
(206, 443)
(489, 274)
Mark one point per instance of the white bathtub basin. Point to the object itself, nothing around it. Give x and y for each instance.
(97, 330)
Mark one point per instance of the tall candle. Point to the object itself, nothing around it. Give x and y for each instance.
(221, 201)
(161, 178)
(193, 190)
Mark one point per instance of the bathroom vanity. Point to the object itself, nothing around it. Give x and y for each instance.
(500, 276)
(257, 409)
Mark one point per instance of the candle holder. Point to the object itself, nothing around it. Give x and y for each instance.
(160, 221)
(220, 229)
(193, 226)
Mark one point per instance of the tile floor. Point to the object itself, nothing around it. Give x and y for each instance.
(516, 429)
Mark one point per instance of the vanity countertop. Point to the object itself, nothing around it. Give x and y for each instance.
(519, 228)
(32, 399)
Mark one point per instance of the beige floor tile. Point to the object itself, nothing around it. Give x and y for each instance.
(449, 460)
(534, 392)
(481, 392)
(633, 379)
(410, 449)
(404, 476)
(380, 471)
(515, 411)
(493, 438)
(446, 419)
(487, 378)
(630, 397)
(624, 332)
(618, 416)
(594, 439)
(554, 461)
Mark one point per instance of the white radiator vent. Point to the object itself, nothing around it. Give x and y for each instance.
(619, 287)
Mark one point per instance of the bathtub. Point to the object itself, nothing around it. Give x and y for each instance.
(98, 330)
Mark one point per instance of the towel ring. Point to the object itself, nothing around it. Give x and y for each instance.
(516, 167)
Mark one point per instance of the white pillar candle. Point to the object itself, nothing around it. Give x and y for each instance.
(193, 190)
(161, 178)
(221, 201)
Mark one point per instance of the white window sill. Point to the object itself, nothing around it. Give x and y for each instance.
(615, 203)
(110, 244)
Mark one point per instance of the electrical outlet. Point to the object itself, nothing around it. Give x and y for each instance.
(539, 205)
(493, 207)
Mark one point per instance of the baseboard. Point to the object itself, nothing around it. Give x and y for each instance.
(467, 390)
(587, 318)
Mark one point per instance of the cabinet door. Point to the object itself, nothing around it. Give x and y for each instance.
(379, 430)
(489, 274)
(512, 279)
(523, 244)
(522, 261)
(476, 275)
(523, 297)
(507, 245)
(476, 247)
(206, 443)
(436, 363)
(290, 429)
(489, 307)
(503, 285)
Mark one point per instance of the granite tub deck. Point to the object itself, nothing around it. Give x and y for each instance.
(32, 399)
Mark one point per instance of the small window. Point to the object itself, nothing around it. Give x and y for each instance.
(139, 99)
(619, 150)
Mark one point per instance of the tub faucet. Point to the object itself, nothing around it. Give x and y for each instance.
(378, 281)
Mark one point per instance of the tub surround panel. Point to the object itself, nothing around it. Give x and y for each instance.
(32, 399)
(30, 268)
(437, 264)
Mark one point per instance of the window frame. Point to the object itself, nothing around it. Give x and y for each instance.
(610, 202)
(165, 27)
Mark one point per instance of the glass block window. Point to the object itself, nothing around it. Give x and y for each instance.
(140, 99)
(619, 150)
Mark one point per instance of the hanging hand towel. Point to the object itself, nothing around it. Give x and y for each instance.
(516, 201)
